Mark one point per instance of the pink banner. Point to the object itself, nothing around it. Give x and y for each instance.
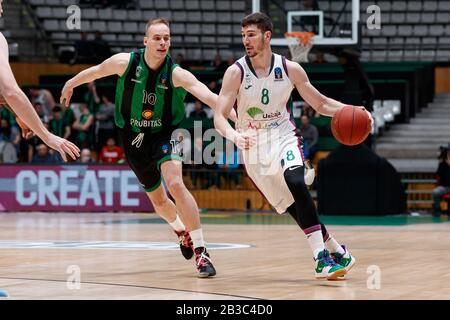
(79, 188)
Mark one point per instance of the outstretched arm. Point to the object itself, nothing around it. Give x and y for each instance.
(22, 108)
(318, 101)
(227, 97)
(185, 79)
(117, 64)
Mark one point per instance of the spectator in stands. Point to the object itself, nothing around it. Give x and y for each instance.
(9, 142)
(86, 156)
(111, 153)
(45, 98)
(100, 48)
(310, 136)
(41, 113)
(31, 145)
(58, 125)
(5, 113)
(69, 117)
(320, 58)
(8, 153)
(83, 49)
(91, 98)
(212, 85)
(309, 111)
(9, 134)
(105, 122)
(43, 156)
(198, 111)
(218, 64)
(83, 125)
(443, 179)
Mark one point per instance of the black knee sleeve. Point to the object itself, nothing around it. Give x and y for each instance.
(306, 213)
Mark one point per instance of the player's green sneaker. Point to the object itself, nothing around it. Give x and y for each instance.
(346, 260)
(327, 268)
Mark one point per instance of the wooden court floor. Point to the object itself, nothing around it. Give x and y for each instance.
(134, 256)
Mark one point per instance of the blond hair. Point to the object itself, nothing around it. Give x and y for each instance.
(156, 21)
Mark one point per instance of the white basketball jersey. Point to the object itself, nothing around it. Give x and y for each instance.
(262, 107)
(262, 102)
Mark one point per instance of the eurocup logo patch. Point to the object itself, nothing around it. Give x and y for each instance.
(163, 78)
(278, 74)
(163, 81)
(165, 148)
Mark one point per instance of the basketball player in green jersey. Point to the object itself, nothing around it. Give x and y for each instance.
(17, 102)
(149, 107)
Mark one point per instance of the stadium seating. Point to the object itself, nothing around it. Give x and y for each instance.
(412, 29)
(193, 24)
(415, 30)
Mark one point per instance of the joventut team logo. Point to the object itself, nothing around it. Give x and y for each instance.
(137, 74)
(138, 71)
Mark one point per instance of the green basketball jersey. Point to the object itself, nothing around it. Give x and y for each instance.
(146, 100)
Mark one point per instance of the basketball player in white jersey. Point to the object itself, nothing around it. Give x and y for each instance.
(27, 118)
(260, 84)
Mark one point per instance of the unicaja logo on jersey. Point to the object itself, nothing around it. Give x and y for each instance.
(262, 120)
(273, 115)
(254, 111)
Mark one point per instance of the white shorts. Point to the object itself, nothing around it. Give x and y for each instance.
(265, 164)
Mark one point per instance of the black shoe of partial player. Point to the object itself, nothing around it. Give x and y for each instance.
(205, 267)
(186, 244)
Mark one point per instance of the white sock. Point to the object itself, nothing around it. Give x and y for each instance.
(315, 240)
(197, 238)
(333, 246)
(177, 224)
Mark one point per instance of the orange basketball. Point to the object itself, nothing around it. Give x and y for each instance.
(351, 125)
